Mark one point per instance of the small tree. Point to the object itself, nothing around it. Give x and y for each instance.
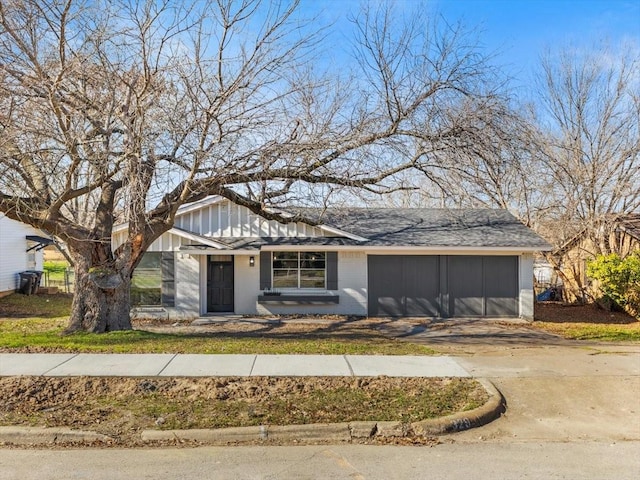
(618, 279)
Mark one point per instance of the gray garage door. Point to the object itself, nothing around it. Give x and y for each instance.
(484, 286)
(443, 286)
(402, 285)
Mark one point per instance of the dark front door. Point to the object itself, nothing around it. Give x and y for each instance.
(219, 285)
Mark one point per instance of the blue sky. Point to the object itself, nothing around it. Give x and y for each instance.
(520, 30)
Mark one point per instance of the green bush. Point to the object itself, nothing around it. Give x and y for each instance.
(619, 279)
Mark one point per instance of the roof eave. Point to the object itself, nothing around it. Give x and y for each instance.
(413, 248)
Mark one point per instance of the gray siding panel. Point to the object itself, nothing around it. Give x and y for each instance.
(265, 270)
(167, 269)
(332, 270)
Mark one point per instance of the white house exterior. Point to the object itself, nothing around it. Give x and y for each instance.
(222, 258)
(17, 253)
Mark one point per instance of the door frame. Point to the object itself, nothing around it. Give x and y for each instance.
(209, 262)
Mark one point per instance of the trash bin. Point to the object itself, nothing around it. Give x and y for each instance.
(38, 277)
(27, 282)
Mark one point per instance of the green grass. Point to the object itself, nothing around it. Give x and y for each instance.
(38, 337)
(55, 266)
(55, 270)
(593, 331)
(35, 324)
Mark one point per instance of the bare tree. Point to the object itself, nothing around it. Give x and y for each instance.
(569, 162)
(498, 168)
(590, 140)
(123, 111)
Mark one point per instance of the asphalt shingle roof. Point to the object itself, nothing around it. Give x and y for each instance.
(431, 227)
(407, 227)
(254, 243)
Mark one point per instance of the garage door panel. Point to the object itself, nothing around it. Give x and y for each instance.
(402, 285)
(385, 286)
(501, 307)
(390, 306)
(465, 286)
(422, 285)
(501, 286)
(421, 307)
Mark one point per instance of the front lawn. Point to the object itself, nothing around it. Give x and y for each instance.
(593, 331)
(586, 322)
(35, 323)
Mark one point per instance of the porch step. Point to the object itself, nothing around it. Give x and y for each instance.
(209, 319)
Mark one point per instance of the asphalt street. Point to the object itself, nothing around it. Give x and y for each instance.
(456, 461)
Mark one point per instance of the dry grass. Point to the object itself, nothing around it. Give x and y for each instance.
(123, 407)
(586, 322)
(35, 323)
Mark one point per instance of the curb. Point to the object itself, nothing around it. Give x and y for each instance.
(344, 432)
(319, 432)
(40, 436)
(490, 411)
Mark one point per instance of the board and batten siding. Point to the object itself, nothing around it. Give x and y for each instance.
(225, 219)
(13, 252)
(167, 242)
(221, 220)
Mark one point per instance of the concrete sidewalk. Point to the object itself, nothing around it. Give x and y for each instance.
(185, 365)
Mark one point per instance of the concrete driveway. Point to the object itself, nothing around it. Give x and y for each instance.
(451, 335)
(556, 390)
(561, 393)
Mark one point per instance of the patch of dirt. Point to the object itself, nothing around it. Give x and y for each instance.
(122, 407)
(558, 312)
(308, 326)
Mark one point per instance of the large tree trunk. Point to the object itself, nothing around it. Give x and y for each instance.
(101, 300)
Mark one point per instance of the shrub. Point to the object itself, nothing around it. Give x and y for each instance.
(618, 279)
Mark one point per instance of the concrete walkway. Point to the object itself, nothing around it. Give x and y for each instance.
(185, 365)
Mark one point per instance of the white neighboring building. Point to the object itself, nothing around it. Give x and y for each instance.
(19, 251)
(222, 258)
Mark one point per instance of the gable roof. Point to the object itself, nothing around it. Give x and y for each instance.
(433, 227)
(437, 228)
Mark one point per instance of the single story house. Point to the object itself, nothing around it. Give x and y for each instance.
(618, 234)
(20, 250)
(221, 257)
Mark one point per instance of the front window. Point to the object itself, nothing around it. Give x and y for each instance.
(146, 282)
(299, 269)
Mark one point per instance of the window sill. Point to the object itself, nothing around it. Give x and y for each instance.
(296, 299)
